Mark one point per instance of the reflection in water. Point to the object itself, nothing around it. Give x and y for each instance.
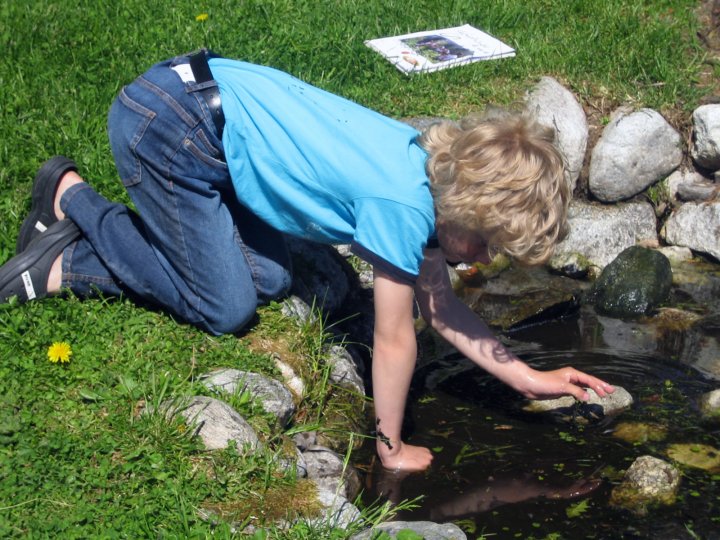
(495, 492)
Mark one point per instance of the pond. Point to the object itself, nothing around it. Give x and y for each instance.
(505, 473)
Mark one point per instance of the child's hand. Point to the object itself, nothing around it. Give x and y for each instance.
(404, 457)
(535, 384)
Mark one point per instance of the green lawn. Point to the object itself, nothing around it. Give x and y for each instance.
(75, 459)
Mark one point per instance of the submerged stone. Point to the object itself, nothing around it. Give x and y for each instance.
(710, 406)
(649, 481)
(698, 456)
(636, 283)
(674, 320)
(639, 432)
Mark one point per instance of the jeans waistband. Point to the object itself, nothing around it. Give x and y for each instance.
(211, 94)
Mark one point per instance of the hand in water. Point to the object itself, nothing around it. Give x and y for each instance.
(560, 382)
(404, 457)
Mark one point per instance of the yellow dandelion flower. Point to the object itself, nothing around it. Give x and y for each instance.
(59, 351)
(202, 17)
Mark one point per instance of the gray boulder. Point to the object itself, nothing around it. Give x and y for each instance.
(599, 233)
(686, 185)
(328, 471)
(345, 370)
(705, 149)
(215, 422)
(425, 529)
(554, 106)
(337, 511)
(296, 308)
(696, 226)
(274, 397)
(635, 150)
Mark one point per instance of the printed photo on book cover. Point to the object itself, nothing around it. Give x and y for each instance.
(436, 48)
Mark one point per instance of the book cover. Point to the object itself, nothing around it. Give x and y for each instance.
(432, 50)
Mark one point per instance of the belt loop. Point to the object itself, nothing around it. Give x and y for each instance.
(199, 66)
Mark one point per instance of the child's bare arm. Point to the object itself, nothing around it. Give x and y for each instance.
(394, 352)
(470, 335)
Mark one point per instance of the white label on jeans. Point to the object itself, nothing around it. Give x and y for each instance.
(185, 72)
(27, 281)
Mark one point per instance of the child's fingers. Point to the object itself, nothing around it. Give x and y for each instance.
(588, 381)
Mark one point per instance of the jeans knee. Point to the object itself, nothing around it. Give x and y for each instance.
(229, 317)
(279, 286)
(229, 324)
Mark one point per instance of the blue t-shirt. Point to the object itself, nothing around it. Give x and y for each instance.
(318, 166)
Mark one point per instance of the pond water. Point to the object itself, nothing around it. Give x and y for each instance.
(505, 473)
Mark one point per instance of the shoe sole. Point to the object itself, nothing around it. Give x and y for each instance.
(42, 211)
(15, 277)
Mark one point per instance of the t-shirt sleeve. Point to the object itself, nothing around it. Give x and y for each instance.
(392, 236)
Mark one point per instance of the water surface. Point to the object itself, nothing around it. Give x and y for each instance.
(506, 473)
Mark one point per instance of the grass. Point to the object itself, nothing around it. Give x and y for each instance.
(76, 460)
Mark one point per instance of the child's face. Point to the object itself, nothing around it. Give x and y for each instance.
(463, 246)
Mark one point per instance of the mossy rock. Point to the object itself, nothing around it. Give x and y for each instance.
(639, 432)
(698, 456)
(636, 283)
(648, 483)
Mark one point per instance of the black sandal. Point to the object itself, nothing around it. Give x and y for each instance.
(42, 211)
(26, 274)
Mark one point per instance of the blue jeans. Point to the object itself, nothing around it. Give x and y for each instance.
(191, 247)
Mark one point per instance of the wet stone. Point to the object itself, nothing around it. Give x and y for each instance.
(649, 481)
(567, 408)
(636, 283)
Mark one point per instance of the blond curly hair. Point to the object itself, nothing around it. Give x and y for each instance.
(502, 178)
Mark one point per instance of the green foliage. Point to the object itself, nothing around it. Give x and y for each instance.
(577, 509)
(76, 457)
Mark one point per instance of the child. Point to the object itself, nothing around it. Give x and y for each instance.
(223, 158)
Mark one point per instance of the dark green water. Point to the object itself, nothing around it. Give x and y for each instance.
(505, 473)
